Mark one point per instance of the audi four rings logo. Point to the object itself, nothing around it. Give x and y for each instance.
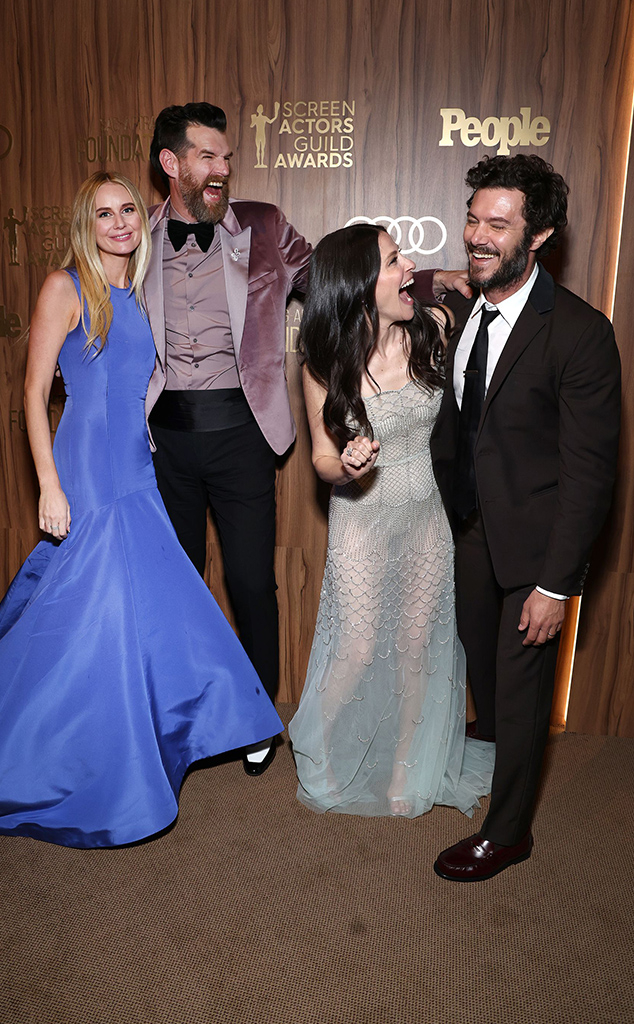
(407, 231)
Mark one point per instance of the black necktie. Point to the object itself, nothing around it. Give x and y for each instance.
(178, 230)
(464, 491)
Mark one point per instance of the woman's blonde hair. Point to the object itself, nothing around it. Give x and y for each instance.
(83, 254)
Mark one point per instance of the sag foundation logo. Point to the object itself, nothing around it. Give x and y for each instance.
(503, 132)
(119, 139)
(304, 133)
(410, 233)
(17, 417)
(6, 141)
(42, 237)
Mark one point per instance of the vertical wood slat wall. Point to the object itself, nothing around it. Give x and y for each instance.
(81, 81)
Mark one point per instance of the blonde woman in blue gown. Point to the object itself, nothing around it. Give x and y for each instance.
(117, 668)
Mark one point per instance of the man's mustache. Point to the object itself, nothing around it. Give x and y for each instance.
(484, 249)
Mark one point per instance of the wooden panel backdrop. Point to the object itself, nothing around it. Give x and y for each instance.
(81, 81)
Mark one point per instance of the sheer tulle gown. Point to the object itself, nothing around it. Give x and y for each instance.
(117, 668)
(380, 727)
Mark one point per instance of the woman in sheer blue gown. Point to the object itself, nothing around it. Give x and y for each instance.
(117, 668)
(380, 728)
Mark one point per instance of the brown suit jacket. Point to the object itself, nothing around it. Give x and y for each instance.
(264, 260)
(546, 449)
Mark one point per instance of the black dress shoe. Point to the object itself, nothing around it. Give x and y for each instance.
(476, 859)
(471, 732)
(259, 767)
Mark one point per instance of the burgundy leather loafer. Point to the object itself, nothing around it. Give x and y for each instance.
(476, 859)
(471, 732)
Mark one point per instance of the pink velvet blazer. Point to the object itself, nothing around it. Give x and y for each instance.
(264, 260)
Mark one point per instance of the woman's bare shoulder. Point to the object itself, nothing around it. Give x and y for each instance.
(59, 286)
(57, 303)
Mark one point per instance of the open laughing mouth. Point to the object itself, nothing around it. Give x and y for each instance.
(404, 295)
(213, 191)
(481, 257)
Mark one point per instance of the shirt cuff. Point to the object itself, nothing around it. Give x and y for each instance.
(548, 593)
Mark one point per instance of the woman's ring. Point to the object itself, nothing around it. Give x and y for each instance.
(349, 452)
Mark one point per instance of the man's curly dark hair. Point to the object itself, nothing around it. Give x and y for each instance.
(545, 192)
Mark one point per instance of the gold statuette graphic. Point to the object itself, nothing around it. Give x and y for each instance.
(259, 120)
(11, 225)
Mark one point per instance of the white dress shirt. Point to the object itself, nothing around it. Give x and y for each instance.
(509, 310)
(499, 330)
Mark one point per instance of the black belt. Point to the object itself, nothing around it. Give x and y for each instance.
(220, 409)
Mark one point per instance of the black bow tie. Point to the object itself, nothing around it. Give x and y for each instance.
(178, 230)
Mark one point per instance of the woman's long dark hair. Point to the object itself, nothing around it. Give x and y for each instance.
(340, 328)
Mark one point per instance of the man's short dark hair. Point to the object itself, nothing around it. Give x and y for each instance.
(545, 192)
(170, 129)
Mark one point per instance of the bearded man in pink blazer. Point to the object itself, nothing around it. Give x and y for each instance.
(218, 409)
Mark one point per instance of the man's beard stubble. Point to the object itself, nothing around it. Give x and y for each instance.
(192, 195)
(511, 268)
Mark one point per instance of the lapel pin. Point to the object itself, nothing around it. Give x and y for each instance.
(235, 255)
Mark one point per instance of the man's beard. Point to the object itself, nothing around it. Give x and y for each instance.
(191, 191)
(511, 267)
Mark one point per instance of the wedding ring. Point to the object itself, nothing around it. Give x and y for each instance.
(349, 452)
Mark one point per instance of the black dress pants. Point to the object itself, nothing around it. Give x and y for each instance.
(512, 685)
(233, 471)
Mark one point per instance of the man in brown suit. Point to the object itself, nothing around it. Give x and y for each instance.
(524, 451)
(216, 291)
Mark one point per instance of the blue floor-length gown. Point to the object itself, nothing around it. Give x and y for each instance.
(117, 668)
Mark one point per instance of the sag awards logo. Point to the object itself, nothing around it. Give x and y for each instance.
(305, 133)
(42, 237)
(294, 314)
(6, 141)
(503, 132)
(119, 139)
(410, 233)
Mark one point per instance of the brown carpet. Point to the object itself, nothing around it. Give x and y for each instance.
(253, 910)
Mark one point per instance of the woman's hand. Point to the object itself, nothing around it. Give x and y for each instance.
(359, 456)
(54, 512)
(331, 464)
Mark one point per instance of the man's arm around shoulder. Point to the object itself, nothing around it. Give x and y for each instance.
(294, 250)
